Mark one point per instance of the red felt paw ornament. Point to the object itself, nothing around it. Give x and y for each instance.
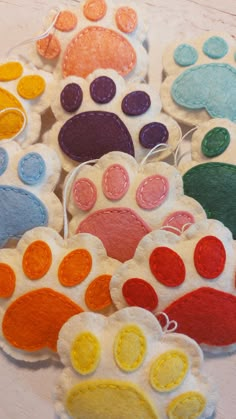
(190, 277)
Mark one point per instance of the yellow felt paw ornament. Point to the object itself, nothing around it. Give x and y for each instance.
(125, 367)
(23, 97)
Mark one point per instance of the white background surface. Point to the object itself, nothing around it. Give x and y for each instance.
(26, 392)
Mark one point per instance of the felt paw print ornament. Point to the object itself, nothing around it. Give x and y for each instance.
(45, 281)
(190, 277)
(95, 34)
(104, 113)
(27, 180)
(23, 97)
(210, 177)
(120, 202)
(127, 366)
(201, 79)
(214, 141)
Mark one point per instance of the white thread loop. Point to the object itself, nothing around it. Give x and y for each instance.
(177, 159)
(155, 150)
(176, 229)
(70, 178)
(36, 38)
(23, 126)
(170, 326)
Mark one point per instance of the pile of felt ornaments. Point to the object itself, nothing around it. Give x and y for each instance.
(147, 259)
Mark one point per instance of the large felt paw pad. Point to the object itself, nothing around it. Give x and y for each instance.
(120, 202)
(43, 283)
(27, 180)
(201, 92)
(22, 98)
(126, 366)
(102, 33)
(191, 277)
(213, 186)
(210, 176)
(104, 113)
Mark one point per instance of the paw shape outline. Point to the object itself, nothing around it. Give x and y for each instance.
(208, 59)
(45, 281)
(28, 178)
(103, 33)
(120, 202)
(23, 97)
(104, 113)
(137, 373)
(189, 277)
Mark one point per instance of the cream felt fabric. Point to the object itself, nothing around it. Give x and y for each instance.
(228, 155)
(194, 145)
(106, 331)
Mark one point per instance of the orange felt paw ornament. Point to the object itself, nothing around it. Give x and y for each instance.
(45, 281)
(95, 34)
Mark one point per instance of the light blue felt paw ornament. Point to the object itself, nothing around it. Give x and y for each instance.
(201, 79)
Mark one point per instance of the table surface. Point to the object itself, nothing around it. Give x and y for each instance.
(26, 391)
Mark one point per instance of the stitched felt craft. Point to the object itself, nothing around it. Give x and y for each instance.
(120, 201)
(127, 366)
(45, 281)
(214, 141)
(213, 185)
(23, 97)
(104, 113)
(210, 176)
(27, 180)
(190, 277)
(201, 79)
(95, 34)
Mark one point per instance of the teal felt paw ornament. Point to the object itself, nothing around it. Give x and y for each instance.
(201, 79)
